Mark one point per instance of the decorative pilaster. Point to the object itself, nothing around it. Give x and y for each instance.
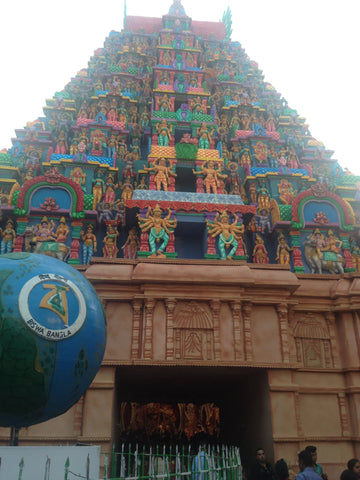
(21, 223)
(349, 264)
(295, 243)
(170, 304)
(78, 417)
(247, 309)
(210, 241)
(236, 314)
(144, 236)
(282, 311)
(344, 417)
(199, 178)
(148, 328)
(75, 244)
(215, 307)
(298, 416)
(136, 329)
(330, 320)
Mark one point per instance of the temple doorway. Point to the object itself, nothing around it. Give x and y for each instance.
(192, 405)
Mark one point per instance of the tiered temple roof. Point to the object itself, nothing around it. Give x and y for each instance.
(171, 145)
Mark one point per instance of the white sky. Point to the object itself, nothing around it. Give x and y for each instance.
(307, 49)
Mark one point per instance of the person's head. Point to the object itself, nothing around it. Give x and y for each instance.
(354, 466)
(348, 475)
(281, 469)
(312, 450)
(260, 455)
(305, 459)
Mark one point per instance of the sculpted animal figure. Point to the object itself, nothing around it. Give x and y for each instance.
(51, 248)
(330, 261)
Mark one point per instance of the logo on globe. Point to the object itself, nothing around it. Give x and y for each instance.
(52, 306)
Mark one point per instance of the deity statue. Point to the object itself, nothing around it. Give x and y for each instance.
(162, 173)
(110, 187)
(111, 145)
(164, 133)
(263, 197)
(145, 118)
(165, 79)
(166, 58)
(44, 232)
(98, 190)
(212, 176)
(333, 243)
(318, 240)
(141, 185)
(283, 251)
(293, 159)
(80, 155)
(8, 237)
(131, 246)
(110, 249)
(127, 191)
(234, 177)
(89, 243)
(286, 192)
(262, 220)
(260, 254)
(61, 144)
(160, 229)
(228, 233)
(78, 176)
(62, 231)
(204, 136)
(164, 103)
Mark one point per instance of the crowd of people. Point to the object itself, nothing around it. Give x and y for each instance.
(308, 466)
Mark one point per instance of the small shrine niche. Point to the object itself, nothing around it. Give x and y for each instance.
(193, 330)
(312, 340)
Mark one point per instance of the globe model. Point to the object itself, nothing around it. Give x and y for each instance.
(52, 337)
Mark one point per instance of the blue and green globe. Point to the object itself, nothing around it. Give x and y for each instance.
(52, 338)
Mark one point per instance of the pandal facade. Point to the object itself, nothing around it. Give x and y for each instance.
(221, 236)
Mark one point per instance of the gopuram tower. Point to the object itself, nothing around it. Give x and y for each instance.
(221, 236)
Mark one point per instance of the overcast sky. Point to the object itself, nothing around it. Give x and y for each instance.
(307, 49)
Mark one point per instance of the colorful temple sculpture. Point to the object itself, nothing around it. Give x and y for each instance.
(220, 234)
(164, 118)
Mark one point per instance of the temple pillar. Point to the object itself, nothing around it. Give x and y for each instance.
(246, 310)
(148, 328)
(170, 304)
(215, 308)
(136, 328)
(210, 241)
(344, 416)
(330, 320)
(295, 243)
(349, 264)
(282, 311)
(236, 315)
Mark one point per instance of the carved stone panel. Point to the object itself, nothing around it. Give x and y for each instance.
(312, 339)
(194, 331)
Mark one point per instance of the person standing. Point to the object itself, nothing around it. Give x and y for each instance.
(353, 470)
(307, 471)
(261, 470)
(316, 466)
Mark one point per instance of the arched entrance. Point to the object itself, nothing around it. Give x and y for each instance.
(177, 405)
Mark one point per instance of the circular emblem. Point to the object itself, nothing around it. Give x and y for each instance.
(52, 306)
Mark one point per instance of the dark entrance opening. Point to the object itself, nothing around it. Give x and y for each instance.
(241, 395)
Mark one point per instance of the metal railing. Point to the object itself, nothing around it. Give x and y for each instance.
(218, 462)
